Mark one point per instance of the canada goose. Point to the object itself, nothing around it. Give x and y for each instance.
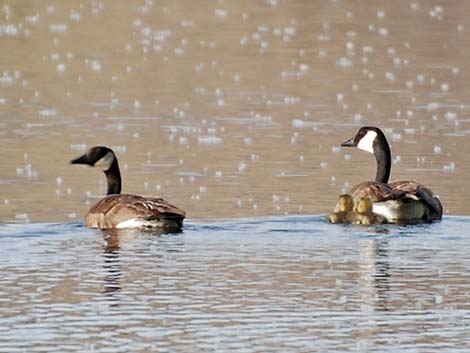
(399, 201)
(343, 212)
(125, 211)
(364, 214)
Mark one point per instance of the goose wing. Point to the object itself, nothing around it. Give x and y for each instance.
(375, 190)
(416, 191)
(115, 209)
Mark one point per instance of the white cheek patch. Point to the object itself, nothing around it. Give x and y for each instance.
(105, 162)
(367, 142)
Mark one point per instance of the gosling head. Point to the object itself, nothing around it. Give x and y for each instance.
(364, 205)
(345, 203)
(98, 156)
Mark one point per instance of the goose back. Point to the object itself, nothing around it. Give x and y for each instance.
(124, 211)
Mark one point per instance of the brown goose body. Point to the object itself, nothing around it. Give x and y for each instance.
(375, 190)
(121, 210)
(127, 211)
(402, 201)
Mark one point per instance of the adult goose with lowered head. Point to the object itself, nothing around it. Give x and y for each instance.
(125, 211)
(401, 201)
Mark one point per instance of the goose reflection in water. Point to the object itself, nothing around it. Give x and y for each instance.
(374, 270)
(111, 256)
(112, 266)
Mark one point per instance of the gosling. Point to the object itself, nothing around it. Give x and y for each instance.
(363, 213)
(344, 210)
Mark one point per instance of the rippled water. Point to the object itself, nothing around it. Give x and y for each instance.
(292, 284)
(232, 110)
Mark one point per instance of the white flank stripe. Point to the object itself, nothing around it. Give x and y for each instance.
(142, 223)
(132, 223)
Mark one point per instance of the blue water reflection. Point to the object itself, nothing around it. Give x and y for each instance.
(271, 284)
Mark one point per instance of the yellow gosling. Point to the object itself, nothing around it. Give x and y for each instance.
(364, 215)
(343, 210)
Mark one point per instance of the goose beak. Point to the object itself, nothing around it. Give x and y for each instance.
(81, 160)
(349, 143)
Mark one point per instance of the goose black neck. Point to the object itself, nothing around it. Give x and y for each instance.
(113, 175)
(384, 160)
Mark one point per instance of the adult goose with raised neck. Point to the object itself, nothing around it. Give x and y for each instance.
(122, 210)
(403, 201)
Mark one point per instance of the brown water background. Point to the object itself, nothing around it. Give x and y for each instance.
(229, 108)
(232, 109)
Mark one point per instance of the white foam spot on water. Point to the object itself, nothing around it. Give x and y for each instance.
(358, 117)
(304, 67)
(74, 15)
(58, 28)
(420, 79)
(383, 32)
(47, 112)
(22, 217)
(9, 30)
(449, 168)
(344, 62)
(95, 65)
(32, 19)
(221, 13)
(450, 116)
(209, 140)
(78, 147)
(350, 46)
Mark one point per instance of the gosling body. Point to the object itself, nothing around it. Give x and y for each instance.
(364, 214)
(344, 210)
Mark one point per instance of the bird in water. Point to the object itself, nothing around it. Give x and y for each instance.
(344, 210)
(118, 210)
(363, 213)
(403, 201)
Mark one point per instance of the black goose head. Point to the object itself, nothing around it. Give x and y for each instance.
(371, 139)
(103, 158)
(367, 138)
(98, 156)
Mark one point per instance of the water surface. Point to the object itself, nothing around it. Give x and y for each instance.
(291, 284)
(235, 112)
